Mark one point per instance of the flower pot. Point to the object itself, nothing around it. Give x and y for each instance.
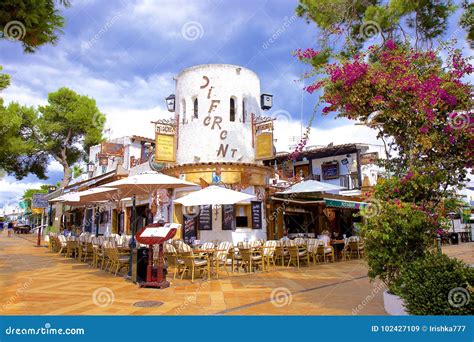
(393, 304)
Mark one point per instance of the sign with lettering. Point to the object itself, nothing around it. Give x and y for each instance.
(165, 150)
(205, 217)
(228, 217)
(256, 207)
(111, 149)
(189, 229)
(39, 201)
(264, 146)
(330, 170)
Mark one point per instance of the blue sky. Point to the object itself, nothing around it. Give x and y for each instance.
(125, 54)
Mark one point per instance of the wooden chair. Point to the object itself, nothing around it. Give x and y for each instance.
(62, 244)
(356, 248)
(195, 263)
(325, 252)
(281, 253)
(269, 253)
(71, 249)
(172, 259)
(117, 261)
(221, 257)
(297, 254)
(251, 259)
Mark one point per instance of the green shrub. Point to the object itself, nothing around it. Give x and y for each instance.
(437, 285)
(394, 234)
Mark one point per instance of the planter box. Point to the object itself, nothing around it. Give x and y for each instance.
(393, 305)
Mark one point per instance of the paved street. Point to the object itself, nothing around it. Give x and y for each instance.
(35, 281)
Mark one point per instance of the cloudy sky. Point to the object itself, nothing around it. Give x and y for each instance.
(125, 54)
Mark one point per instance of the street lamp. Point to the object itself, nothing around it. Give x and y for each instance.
(170, 102)
(90, 169)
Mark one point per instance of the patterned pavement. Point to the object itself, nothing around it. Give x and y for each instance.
(35, 281)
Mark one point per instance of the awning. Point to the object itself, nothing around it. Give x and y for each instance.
(334, 203)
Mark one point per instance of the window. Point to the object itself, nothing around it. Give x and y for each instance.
(183, 110)
(244, 114)
(195, 107)
(232, 109)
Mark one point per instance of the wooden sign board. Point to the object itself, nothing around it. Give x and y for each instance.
(228, 217)
(264, 146)
(330, 170)
(205, 217)
(112, 149)
(165, 150)
(369, 158)
(256, 208)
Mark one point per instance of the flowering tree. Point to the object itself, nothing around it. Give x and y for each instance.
(420, 106)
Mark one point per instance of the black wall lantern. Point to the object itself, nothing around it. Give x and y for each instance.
(170, 102)
(266, 101)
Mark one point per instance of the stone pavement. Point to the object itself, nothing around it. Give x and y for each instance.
(35, 281)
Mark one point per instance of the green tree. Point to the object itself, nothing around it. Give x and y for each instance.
(32, 22)
(20, 152)
(419, 21)
(77, 170)
(69, 124)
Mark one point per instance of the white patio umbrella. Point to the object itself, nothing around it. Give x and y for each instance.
(213, 195)
(99, 194)
(147, 182)
(144, 184)
(71, 198)
(311, 186)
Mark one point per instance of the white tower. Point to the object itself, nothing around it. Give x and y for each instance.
(214, 106)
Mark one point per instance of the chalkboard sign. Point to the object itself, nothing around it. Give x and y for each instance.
(205, 217)
(256, 214)
(228, 217)
(330, 170)
(189, 228)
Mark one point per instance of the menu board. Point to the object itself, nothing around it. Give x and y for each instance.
(189, 228)
(228, 217)
(205, 217)
(256, 208)
(330, 170)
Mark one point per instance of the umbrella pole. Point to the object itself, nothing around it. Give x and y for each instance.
(132, 229)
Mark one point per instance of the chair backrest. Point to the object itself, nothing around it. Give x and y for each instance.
(183, 247)
(312, 244)
(169, 248)
(243, 245)
(207, 245)
(353, 238)
(222, 250)
(62, 238)
(293, 250)
(299, 241)
(269, 248)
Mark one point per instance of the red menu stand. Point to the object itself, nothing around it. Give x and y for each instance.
(155, 234)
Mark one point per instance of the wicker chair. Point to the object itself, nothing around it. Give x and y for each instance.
(251, 259)
(281, 253)
(221, 257)
(325, 252)
(195, 263)
(172, 259)
(297, 254)
(356, 247)
(269, 253)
